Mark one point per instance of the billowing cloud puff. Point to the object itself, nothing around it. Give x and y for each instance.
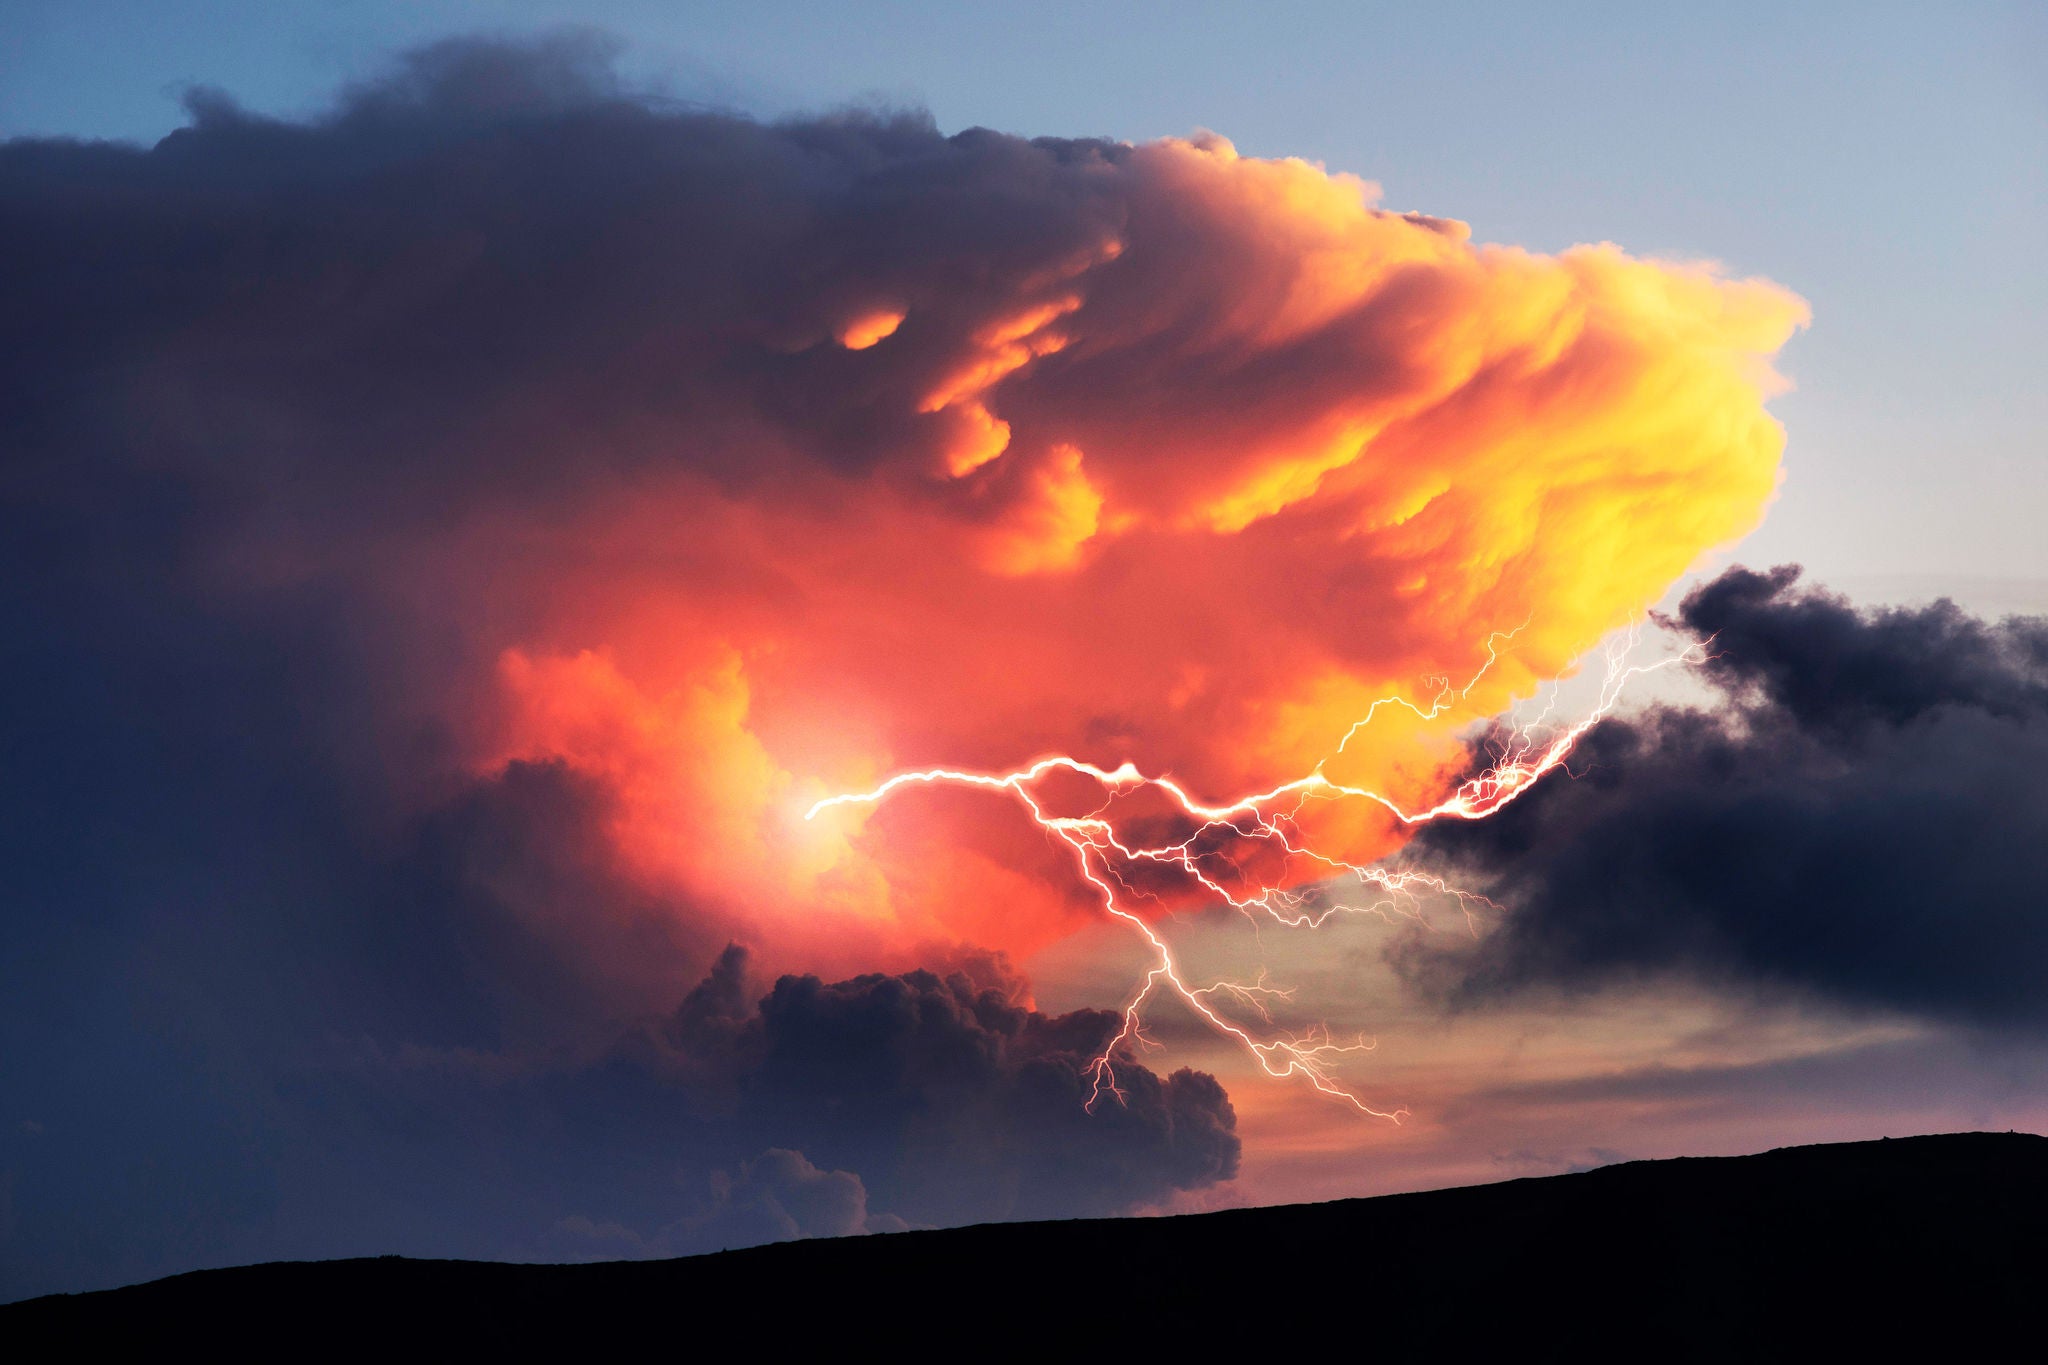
(1864, 818)
(778, 1196)
(732, 464)
(749, 1113)
(951, 1098)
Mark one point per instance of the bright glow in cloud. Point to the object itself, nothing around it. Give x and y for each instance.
(1185, 466)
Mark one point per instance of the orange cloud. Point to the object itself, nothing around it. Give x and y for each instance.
(869, 328)
(1185, 461)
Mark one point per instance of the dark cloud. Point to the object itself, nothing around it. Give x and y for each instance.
(509, 893)
(283, 975)
(923, 1099)
(1839, 673)
(495, 276)
(912, 1098)
(1865, 816)
(962, 1105)
(778, 1196)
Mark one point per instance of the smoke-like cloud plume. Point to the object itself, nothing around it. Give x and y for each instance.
(1864, 817)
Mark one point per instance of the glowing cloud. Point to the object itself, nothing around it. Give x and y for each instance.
(731, 466)
(1171, 456)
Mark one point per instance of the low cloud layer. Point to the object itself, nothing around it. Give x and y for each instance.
(1864, 817)
(958, 1102)
(879, 1102)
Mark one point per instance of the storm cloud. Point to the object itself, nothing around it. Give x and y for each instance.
(731, 462)
(1864, 817)
(753, 1111)
(954, 1100)
(446, 542)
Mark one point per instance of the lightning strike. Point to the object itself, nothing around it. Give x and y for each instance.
(1528, 751)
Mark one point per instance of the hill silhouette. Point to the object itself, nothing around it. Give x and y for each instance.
(1799, 1251)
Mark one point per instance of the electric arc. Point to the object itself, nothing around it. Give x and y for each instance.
(1519, 757)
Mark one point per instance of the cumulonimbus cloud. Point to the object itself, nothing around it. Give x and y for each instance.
(733, 463)
(447, 543)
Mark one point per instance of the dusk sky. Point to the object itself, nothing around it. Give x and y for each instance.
(735, 622)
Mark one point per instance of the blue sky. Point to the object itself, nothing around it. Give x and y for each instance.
(1888, 162)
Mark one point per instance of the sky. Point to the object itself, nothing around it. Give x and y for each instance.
(495, 510)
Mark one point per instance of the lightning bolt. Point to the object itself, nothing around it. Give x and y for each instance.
(1523, 754)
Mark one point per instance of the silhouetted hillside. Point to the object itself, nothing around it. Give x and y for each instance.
(1800, 1251)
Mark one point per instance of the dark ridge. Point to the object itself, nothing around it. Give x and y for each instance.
(1798, 1251)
